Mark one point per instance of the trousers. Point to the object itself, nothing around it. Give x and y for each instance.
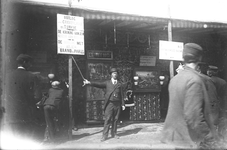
(49, 113)
(111, 114)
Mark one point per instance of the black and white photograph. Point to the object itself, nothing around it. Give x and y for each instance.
(113, 74)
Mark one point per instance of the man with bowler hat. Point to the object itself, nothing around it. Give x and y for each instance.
(19, 100)
(187, 124)
(113, 102)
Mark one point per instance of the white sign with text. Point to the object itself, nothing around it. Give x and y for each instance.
(70, 34)
(171, 50)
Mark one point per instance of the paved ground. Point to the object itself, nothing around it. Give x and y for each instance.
(132, 136)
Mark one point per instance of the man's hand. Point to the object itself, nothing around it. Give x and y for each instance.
(86, 82)
(123, 107)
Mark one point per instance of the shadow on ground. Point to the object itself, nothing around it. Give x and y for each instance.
(128, 132)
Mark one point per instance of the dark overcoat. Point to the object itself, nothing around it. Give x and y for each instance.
(55, 97)
(19, 100)
(108, 85)
(221, 87)
(186, 123)
(212, 97)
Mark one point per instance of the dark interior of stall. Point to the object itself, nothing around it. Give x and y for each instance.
(126, 41)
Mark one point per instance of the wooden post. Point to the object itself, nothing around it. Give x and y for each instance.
(70, 98)
(171, 68)
(70, 87)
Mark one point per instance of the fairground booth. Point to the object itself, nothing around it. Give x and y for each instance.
(75, 42)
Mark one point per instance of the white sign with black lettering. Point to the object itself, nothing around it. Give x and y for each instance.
(171, 50)
(70, 34)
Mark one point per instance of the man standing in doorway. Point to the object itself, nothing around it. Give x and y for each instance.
(187, 124)
(113, 103)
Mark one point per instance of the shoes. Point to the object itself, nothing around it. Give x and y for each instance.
(115, 136)
(75, 128)
(103, 139)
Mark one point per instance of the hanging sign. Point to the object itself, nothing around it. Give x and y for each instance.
(70, 34)
(171, 50)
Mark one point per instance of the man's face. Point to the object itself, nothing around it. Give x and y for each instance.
(28, 65)
(114, 75)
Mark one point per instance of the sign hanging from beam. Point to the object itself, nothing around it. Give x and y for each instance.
(171, 50)
(70, 35)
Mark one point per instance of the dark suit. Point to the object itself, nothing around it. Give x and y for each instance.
(112, 105)
(51, 107)
(221, 87)
(19, 101)
(187, 123)
(213, 98)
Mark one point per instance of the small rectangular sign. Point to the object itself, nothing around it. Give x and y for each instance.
(105, 55)
(171, 50)
(147, 60)
(70, 34)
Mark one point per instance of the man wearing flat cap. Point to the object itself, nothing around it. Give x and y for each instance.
(113, 102)
(20, 98)
(187, 123)
(221, 87)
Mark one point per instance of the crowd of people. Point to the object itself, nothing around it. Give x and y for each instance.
(196, 114)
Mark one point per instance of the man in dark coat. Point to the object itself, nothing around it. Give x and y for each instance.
(19, 98)
(113, 101)
(221, 86)
(187, 123)
(51, 108)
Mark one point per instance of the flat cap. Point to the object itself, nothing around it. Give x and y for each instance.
(22, 57)
(55, 84)
(192, 48)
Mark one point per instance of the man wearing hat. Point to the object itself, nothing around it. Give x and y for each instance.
(221, 87)
(187, 123)
(113, 102)
(51, 108)
(20, 101)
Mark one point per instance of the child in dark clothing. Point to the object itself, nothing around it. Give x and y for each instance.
(51, 108)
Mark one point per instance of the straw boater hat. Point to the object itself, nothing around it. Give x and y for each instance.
(55, 84)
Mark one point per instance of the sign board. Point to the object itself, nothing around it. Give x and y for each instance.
(147, 60)
(70, 34)
(104, 55)
(171, 50)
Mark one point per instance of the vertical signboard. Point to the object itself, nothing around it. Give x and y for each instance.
(70, 34)
(171, 50)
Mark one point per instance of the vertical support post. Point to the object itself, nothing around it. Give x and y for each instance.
(70, 98)
(171, 68)
(70, 86)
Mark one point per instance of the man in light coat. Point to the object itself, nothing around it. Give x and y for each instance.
(188, 123)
